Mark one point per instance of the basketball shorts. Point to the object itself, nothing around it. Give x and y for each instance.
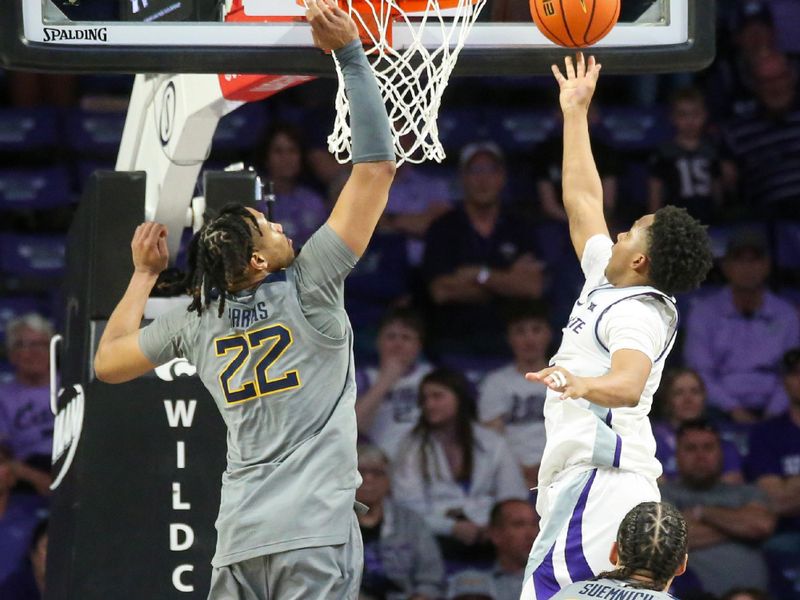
(580, 514)
(325, 572)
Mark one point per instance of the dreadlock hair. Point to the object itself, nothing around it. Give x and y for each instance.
(465, 415)
(218, 254)
(651, 540)
(679, 251)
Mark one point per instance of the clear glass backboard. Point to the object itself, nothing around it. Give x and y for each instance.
(189, 36)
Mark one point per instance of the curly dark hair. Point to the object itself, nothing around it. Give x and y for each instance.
(651, 540)
(679, 251)
(218, 254)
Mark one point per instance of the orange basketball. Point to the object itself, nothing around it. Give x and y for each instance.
(575, 23)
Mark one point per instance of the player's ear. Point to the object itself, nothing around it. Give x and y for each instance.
(682, 567)
(613, 556)
(258, 261)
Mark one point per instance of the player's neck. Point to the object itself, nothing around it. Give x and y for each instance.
(630, 278)
(640, 578)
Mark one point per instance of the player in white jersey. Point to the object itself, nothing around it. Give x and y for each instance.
(649, 552)
(599, 459)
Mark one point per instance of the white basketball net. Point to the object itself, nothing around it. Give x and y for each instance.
(411, 78)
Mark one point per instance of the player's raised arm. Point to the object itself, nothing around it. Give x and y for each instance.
(119, 357)
(583, 189)
(364, 196)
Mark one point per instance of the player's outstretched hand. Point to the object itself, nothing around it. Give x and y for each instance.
(577, 86)
(149, 248)
(559, 379)
(331, 27)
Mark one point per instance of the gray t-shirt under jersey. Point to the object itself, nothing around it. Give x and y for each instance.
(279, 365)
(610, 589)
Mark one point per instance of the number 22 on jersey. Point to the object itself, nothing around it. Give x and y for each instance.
(270, 343)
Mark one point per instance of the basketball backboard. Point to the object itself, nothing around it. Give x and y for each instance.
(136, 36)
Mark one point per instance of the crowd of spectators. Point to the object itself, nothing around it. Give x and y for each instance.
(465, 288)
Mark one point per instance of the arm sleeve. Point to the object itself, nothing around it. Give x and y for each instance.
(596, 254)
(634, 325)
(320, 271)
(165, 337)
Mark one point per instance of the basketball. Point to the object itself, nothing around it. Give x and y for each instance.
(575, 23)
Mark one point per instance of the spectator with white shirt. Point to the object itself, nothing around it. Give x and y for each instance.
(386, 407)
(452, 471)
(512, 405)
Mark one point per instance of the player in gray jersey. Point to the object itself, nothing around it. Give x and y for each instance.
(649, 553)
(272, 343)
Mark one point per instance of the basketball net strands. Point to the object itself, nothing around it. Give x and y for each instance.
(412, 78)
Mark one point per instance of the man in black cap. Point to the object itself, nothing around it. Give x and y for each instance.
(735, 338)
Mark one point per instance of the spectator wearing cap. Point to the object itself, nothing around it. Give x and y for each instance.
(764, 146)
(774, 466)
(477, 258)
(513, 525)
(471, 585)
(401, 557)
(735, 338)
(26, 420)
(726, 522)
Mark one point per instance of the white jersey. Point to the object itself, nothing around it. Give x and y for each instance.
(603, 320)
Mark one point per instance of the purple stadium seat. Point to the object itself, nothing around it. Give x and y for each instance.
(633, 128)
(94, 133)
(461, 126)
(32, 255)
(28, 129)
(242, 129)
(23, 189)
(521, 130)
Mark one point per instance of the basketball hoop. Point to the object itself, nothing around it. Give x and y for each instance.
(411, 77)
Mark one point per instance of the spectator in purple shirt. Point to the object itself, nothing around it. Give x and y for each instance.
(682, 397)
(298, 208)
(774, 466)
(26, 421)
(736, 337)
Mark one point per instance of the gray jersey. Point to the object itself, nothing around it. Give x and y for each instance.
(279, 365)
(610, 590)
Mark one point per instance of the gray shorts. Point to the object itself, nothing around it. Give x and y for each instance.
(323, 573)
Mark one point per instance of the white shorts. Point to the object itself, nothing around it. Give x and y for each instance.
(580, 514)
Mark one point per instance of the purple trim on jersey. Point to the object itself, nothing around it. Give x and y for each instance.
(617, 451)
(544, 578)
(578, 567)
(608, 418)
